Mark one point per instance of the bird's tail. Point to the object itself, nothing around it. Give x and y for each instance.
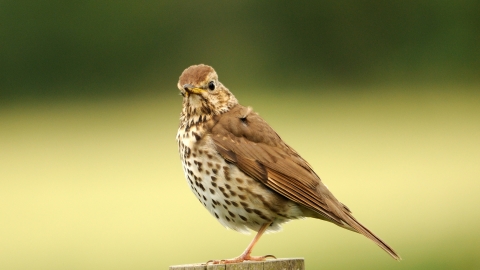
(347, 221)
(358, 227)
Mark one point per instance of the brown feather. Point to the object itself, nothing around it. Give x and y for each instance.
(197, 73)
(234, 139)
(244, 138)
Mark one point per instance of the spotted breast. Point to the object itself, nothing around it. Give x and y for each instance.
(235, 199)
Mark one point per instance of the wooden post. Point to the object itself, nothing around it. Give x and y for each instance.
(277, 264)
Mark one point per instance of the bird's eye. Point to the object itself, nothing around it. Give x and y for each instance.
(211, 85)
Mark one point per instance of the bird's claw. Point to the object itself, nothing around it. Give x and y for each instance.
(241, 259)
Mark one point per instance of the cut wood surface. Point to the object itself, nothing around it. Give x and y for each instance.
(277, 264)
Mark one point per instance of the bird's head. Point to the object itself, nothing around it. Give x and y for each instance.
(203, 95)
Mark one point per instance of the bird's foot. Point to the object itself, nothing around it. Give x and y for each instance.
(242, 258)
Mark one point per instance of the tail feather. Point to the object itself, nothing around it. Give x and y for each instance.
(358, 227)
(349, 222)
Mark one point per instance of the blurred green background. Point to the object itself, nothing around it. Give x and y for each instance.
(382, 98)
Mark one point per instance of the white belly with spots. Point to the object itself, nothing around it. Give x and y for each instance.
(227, 193)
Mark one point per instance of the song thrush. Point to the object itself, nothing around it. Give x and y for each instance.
(241, 170)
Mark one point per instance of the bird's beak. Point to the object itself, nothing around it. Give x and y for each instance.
(192, 89)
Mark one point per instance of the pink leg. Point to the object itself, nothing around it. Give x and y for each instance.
(245, 256)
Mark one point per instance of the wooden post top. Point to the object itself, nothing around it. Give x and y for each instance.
(277, 264)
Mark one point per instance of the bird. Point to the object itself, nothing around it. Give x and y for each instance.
(243, 173)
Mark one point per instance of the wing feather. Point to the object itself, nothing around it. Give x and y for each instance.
(243, 138)
(260, 153)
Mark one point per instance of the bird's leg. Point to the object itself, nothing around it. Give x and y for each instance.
(245, 256)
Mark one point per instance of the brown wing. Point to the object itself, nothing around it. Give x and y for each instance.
(245, 139)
